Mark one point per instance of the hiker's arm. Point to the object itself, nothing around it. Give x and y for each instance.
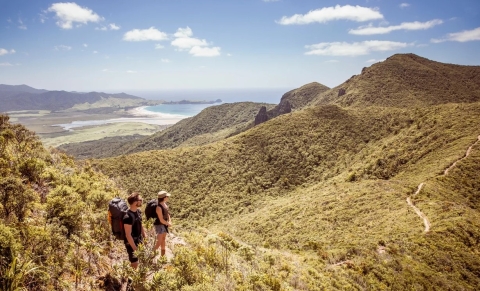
(128, 235)
(160, 216)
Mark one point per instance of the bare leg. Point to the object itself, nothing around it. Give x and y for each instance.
(162, 239)
(158, 242)
(134, 265)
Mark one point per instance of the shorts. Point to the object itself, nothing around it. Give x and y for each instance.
(131, 256)
(160, 228)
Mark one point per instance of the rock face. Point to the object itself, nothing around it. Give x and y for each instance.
(261, 116)
(341, 92)
(292, 100)
(284, 107)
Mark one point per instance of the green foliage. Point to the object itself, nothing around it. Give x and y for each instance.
(9, 247)
(329, 183)
(45, 199)
(15, 276)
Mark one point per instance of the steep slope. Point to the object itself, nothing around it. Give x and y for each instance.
(330, 184)
(407, 80)
(51, 214)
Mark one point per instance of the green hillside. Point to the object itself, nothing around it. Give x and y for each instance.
(315, 199)
(329, 184)
(52, 215)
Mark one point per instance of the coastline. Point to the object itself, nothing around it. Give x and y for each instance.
(139, 115)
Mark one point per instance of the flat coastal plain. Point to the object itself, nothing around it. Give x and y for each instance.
(63, 127)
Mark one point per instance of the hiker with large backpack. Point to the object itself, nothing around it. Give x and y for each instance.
(162, 221)
(134, 230)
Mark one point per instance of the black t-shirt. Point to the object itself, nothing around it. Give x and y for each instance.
(135, 220)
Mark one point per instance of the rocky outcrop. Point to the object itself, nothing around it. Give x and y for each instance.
(341, 92)
(292, 100)
(261, 116)
(284, 107)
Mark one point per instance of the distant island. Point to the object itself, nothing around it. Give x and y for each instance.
(193, 102)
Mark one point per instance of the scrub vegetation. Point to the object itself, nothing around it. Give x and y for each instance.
(310, 200)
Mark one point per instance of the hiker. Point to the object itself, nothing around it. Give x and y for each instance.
(162, 222)
(134, 231)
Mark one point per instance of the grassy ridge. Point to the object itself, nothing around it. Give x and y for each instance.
(407, 80)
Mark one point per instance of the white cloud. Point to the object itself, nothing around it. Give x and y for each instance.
(106, 70)
(197, 47)
(165, 60)
(404, 5)
(145, 34)
(62, 47)
(131, 72)
(229, 55)
(112, 26)
(463, 36)
(198, 51)
(6, 52)
(184, 32)
(5, 65)
(347, 12)
(95, 52)
(103, 28)
(9, 20)
(68, 13)
(416, 25)
(159, 46)
(353, 49)
(185, 41)
(85, 45)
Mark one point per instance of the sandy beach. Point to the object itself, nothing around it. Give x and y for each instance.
(139, 115)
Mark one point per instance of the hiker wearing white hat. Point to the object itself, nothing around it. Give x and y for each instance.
(163, 221)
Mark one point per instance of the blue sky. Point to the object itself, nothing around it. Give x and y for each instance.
(223, 44)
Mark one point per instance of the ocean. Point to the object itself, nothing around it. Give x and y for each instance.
(272, 96)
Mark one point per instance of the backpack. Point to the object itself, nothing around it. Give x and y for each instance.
(151, 209)
(117, 208)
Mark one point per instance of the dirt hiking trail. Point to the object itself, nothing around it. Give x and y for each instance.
(426, 222)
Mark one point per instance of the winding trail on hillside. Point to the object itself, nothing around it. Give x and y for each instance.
(426, 222)
(465, 156)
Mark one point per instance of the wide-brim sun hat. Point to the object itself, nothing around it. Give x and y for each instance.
(163, 193)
